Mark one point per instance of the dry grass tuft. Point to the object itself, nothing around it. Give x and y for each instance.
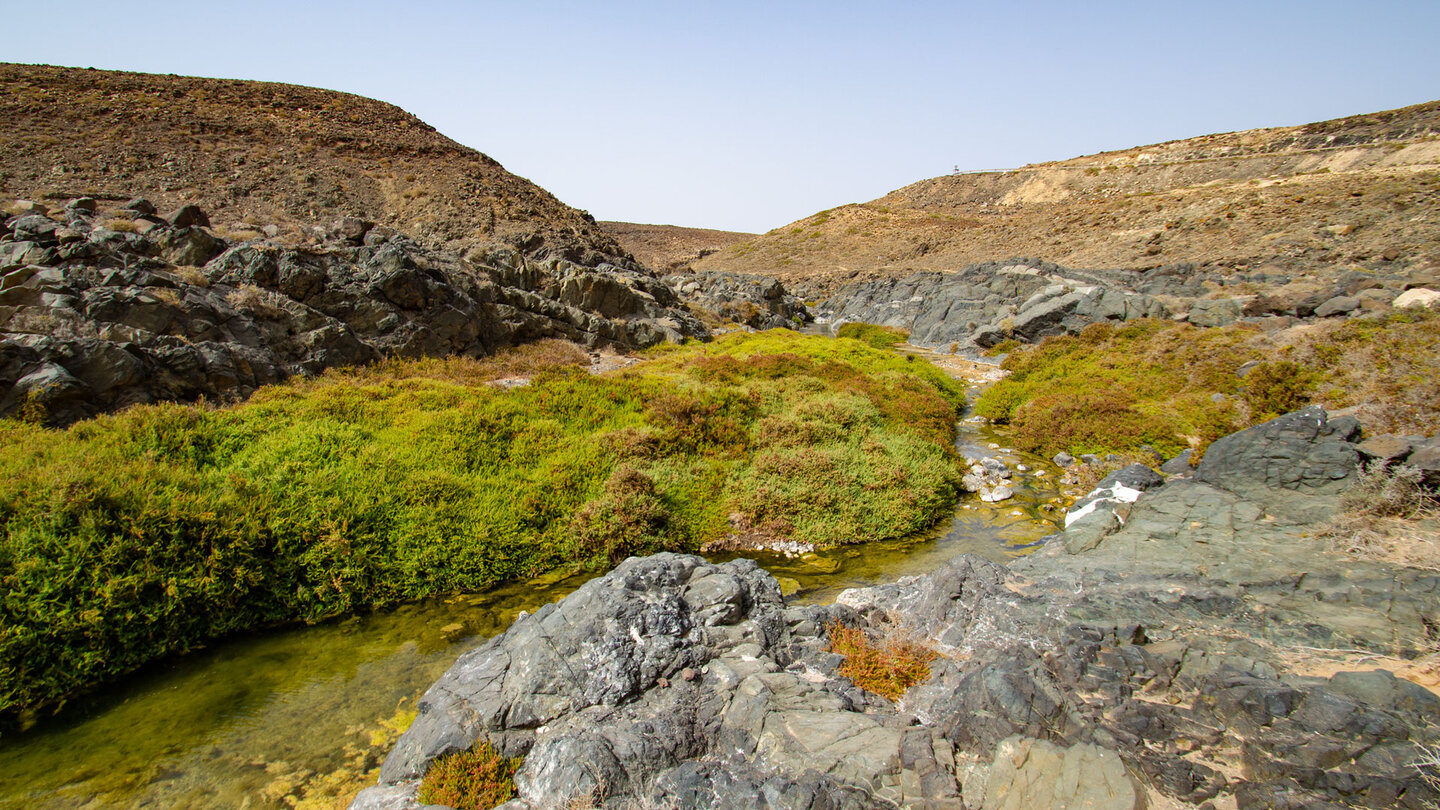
(1427, 762)
(520, 362)
(1389, 516)
(257, 301)
(191, 275)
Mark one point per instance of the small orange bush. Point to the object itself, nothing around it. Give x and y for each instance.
(886, 668)
(477, 779)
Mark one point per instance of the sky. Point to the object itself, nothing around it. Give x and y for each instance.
(749, 115)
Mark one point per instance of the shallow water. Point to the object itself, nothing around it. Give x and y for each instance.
(255, 721)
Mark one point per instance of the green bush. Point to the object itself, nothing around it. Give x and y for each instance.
(149, 532)
(1155, 382)
(881, 337)
(1275, 388)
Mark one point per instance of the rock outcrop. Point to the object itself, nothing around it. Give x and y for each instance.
(98, 313)
(1165, 661)
(982, 305)
(758, 302)
(1026, 300)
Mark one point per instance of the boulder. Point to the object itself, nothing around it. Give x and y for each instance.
(1339, 305)
(1387, 451)
(1214, 312)
(1417, 297)
(84, 206)
(189, 246)
(667, 680)
(140, 207)
(25, 208)
(1180, 464)
(187, 216)
(351, 230)
(1104, 509)
(35, 228)
(1426, 458)
(1298, 462)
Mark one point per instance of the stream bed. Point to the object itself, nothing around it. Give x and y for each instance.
(296, 717)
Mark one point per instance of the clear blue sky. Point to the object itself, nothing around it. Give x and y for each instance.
(748, 115)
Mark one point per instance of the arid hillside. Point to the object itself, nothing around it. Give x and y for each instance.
(670, 248)
(1353, 191)
(271, 154)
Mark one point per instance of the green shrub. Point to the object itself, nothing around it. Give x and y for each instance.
(1275, 388)
(1155, 382)
(1003, 347)
(628, 518)
(149, 532)
(881, 337)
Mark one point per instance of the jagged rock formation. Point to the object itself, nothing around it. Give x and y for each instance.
(99, 312)
(1297, 201)
(1163, 661)
(258, 153)
(758, 302)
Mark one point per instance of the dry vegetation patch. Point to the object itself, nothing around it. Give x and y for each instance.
(887, 664)
(1389, 516)
(477, 779)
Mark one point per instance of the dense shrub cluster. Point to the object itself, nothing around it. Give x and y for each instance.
(881, 337)
(148, 532)
(1115, 388)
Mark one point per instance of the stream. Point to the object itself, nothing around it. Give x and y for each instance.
(297, 717)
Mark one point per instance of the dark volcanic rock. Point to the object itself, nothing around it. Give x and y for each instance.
(674, 679)
(978, 305)
(758, 302)
(106, 319)
(1304, 453)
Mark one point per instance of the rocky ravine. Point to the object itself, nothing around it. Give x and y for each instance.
(1156, 654)
(103, 310)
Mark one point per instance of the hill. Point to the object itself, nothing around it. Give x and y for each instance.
(670, 248)
(273, 154)
(1352, 191)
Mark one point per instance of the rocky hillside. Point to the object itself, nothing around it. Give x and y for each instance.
(1355, 191)
(104, 308)
(262, 153)
(670, 248)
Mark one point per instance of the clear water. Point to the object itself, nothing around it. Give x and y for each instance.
(295, 715)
